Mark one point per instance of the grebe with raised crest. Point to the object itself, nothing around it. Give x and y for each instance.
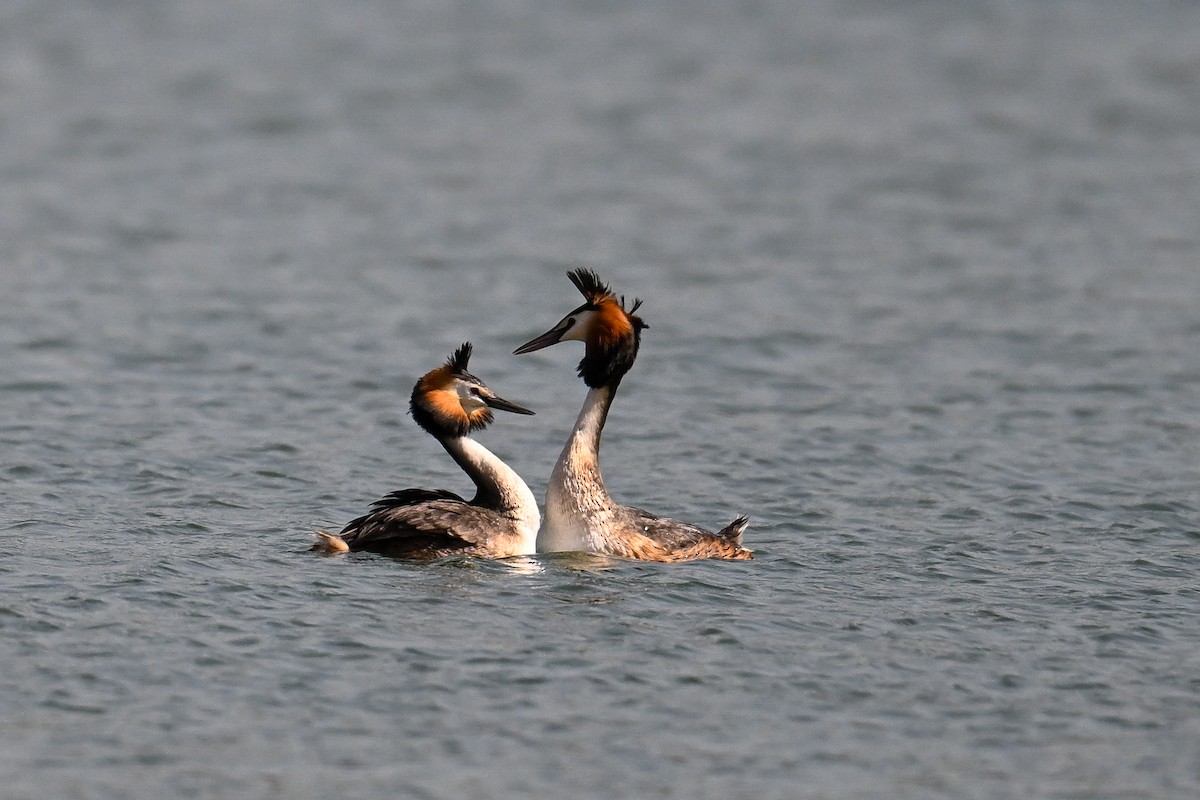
(580, 515)
(501, 520)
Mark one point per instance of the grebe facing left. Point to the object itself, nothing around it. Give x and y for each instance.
(501, 520)
(579, 513)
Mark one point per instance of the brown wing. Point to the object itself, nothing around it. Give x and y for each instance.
(660, 539)
(411, 517)
(428, 523)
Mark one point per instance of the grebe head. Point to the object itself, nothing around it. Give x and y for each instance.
(611, 333)
(449, 401)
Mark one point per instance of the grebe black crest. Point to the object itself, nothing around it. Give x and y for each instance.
(580, 515)
(501, 520)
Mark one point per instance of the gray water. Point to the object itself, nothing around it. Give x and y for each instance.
(923, 283)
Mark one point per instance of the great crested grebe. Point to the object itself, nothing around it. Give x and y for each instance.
(501, 520)
(579, 513)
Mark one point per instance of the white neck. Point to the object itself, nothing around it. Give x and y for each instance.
(498, 486)
(577, 504)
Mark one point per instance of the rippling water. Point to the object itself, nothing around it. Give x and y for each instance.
(922, 285)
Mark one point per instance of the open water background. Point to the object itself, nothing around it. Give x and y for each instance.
(923, 281)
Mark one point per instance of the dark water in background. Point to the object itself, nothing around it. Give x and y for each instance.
(923, 281)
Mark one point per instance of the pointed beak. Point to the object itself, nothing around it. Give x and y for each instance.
(552, 336)
(504, 405)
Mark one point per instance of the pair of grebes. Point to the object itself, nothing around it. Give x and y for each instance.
(502, 519)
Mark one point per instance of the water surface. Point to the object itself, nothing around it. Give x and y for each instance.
(921, 281)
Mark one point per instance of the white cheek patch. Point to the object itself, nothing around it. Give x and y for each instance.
(578, 331)
(469, 401)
